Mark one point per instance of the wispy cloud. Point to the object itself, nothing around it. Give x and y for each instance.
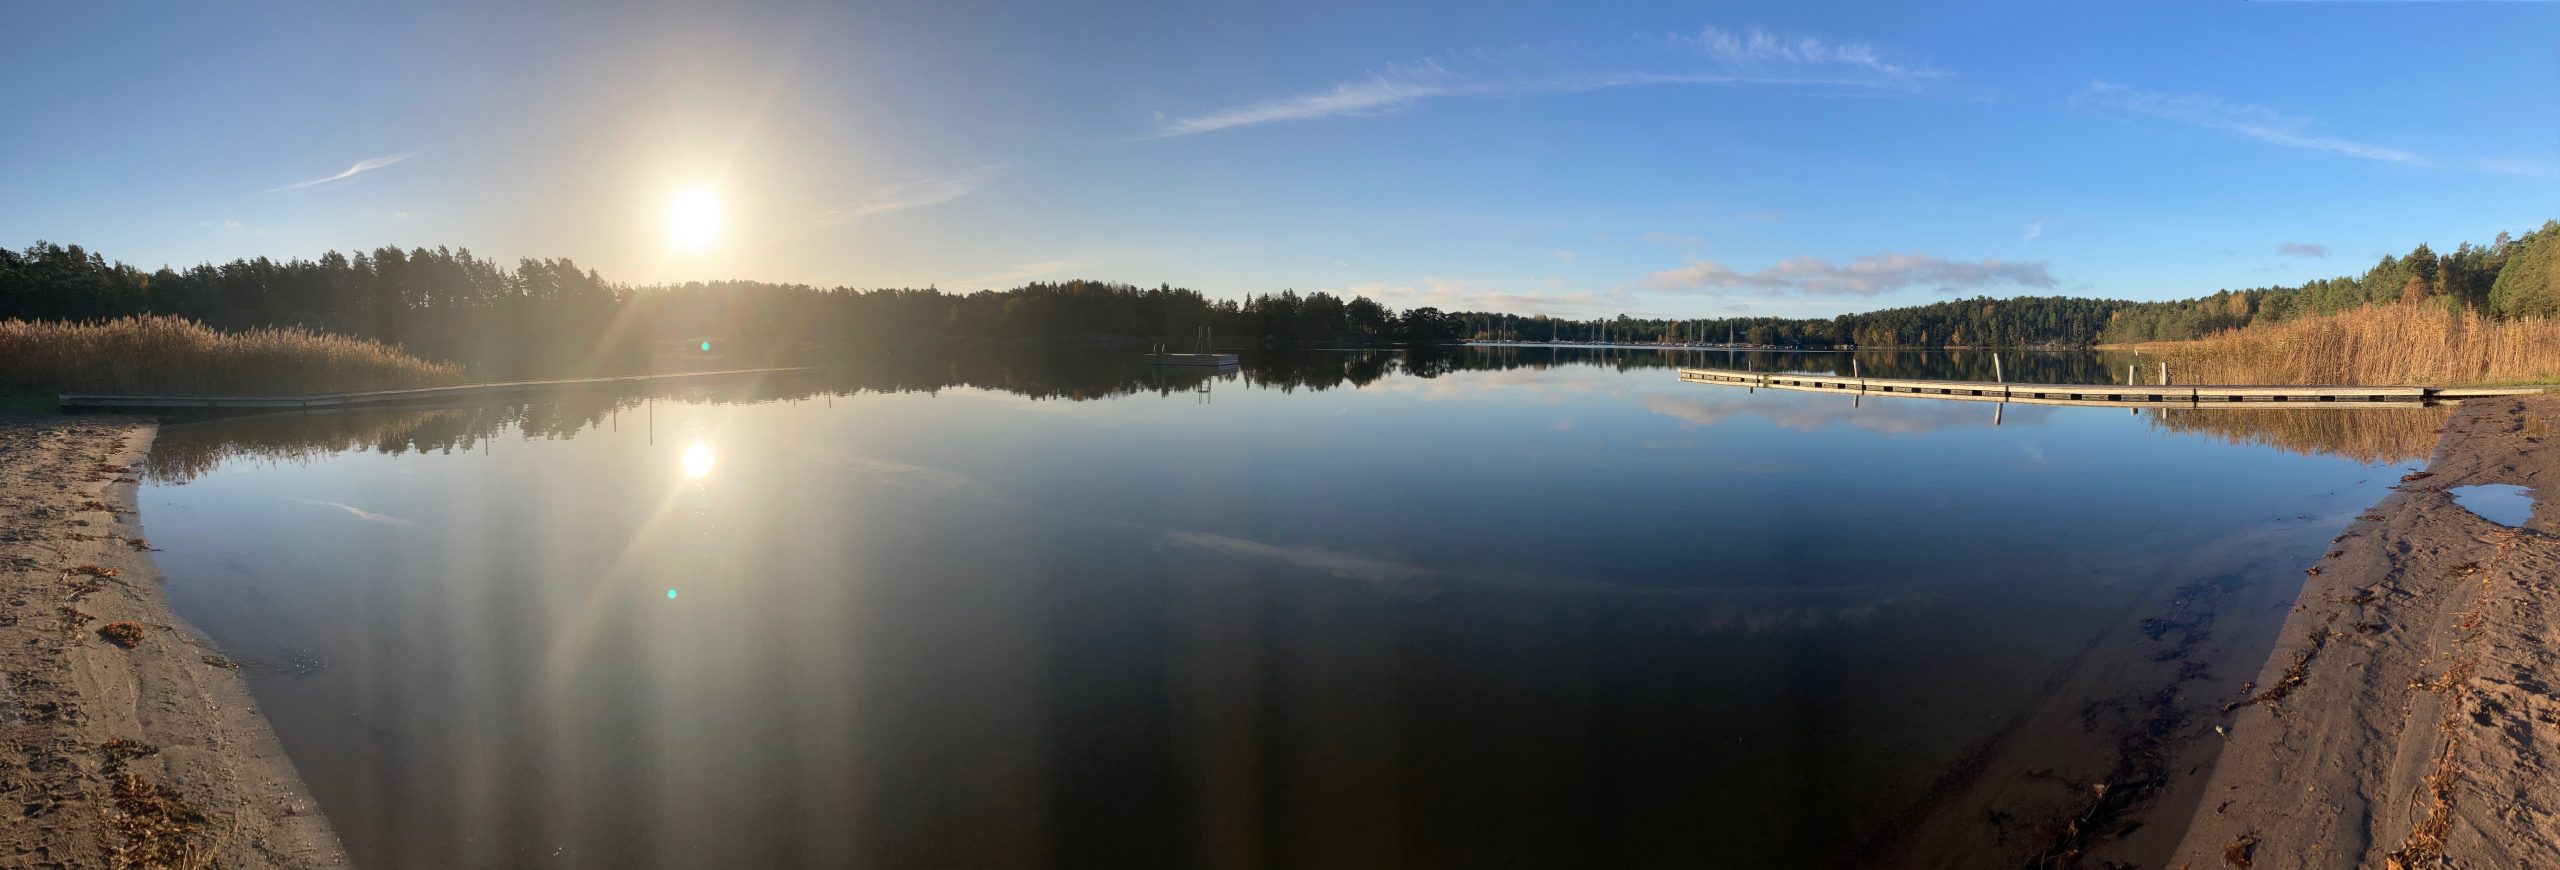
(1711, 56)
(1677, 240)
(361, 167)
(2543, 169)
(2034, 231)
(2250, 121)
(2302, 249)
(1566, 256)
(1453, 295)
(913, 193)
(1865, 276)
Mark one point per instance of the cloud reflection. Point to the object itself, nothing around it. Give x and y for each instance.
(1893, 416)
(936, 481)
(357, 512)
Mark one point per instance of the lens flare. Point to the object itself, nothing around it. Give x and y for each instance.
(697, 460)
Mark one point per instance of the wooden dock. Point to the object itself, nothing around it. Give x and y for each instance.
(396, 398)
(2106, 395)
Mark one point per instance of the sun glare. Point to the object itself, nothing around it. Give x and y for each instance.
(697, 461)
(693, 219)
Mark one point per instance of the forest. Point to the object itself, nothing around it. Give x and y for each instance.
(552, 315)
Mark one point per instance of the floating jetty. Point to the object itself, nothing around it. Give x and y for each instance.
(2105, 395)
(393, 398)
(1191, 359)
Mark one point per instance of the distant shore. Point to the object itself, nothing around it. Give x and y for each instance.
(125, 739)
(2406, 717)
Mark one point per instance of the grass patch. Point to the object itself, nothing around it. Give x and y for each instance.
(175, 356)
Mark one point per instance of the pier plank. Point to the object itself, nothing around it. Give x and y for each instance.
(2110, 395)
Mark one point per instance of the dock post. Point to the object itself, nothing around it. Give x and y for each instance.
(2128, 374)
(1996, 377)
(2164, 374)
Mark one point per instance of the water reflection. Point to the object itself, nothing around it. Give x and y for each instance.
(1370, 608)
(2374, 436)
(1894, 415)
(1541, 374)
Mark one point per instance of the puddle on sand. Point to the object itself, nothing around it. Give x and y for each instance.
(2503, 503)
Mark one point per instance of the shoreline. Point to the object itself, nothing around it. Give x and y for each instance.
(2405, 718)
(152, 755)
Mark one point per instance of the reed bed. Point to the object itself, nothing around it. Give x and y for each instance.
(175, 356)
(2421, 345)
(2373, 436)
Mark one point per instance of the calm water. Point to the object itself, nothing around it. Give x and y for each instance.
(1498, 607)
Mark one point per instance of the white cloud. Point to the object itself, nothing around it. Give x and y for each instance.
(2034, 231)
(913, 193)
(362, 166)
(1711, 56)
(2254, 122)
(2302, 249)
(1865, 276)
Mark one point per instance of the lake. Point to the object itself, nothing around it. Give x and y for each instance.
(1484, 607)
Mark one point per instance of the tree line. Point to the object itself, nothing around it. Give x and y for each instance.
(553, 315)
(2511, 277)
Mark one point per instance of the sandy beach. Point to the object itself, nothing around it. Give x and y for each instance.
(2406, 717)
(125, 739)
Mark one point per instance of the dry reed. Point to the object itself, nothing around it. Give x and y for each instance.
(2422, 345)
(175, 356)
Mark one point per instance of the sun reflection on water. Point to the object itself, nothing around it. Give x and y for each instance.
(697, 460)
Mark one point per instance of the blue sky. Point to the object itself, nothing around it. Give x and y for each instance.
(1674, 159)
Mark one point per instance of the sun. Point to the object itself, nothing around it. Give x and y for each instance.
(693, 219)
(697, 460)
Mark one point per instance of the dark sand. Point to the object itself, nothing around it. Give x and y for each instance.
(2408, 717)
(152, 756)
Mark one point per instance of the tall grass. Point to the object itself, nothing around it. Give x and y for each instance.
(2424, 345)
(174, 356)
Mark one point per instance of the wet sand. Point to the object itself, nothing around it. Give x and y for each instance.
(147, 756)
(2404, 718)
(2103, 771)
(2407, 717)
